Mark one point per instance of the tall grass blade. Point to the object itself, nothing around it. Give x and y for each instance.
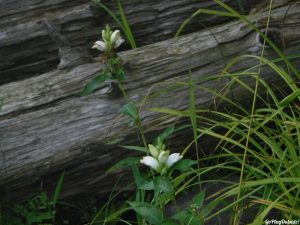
(262, 34)
(126, 26)
(58, 189)
(202, 11)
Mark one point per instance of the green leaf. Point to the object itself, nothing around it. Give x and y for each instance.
(163, 184)
(170, 222)
(200, 11)
(187, 217)
(149, 212)
(183, 165)
(58, 189)
(164, 135)
(169, 111)
(199, 199)
(148, 186)
(130, 110)
(287, 100)
(135, 148)
(116, 214)
(128, 162)
(95, 83)
(120, 75)
(141, 181)
(210, 207)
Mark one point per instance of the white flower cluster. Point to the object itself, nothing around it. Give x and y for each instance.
(111, 40)
(160, 160)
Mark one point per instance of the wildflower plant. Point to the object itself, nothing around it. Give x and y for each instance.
(159, 186)
(113, 69)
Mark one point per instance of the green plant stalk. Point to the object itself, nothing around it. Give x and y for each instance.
(56, 193)
(236, 218)
(106, 205)
(126, 26)
(141, 130)
(232, 204)
(193, 118)
(139, 122)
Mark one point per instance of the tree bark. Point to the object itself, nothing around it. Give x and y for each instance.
(46, 128)
(27, 47)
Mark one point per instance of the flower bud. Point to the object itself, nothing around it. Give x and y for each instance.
(153, 151)
(163, 157)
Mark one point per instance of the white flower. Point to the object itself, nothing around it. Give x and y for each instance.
(119, 42)
(173, 158)
(115, 36)
(100, 45)
(152, 162)
(154, 152)
(160, 161)
(110, 40)
(115, 39)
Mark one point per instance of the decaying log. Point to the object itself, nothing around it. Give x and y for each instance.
(27, 48)
(45, 128)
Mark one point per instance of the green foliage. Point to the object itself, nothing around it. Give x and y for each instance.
(124, 163)
(94, 84)
(131, 111)
(151, 213)
(183, 165)
(136, 148)
(160, 139)
(113, 70)
(187, 217)
(39, 210)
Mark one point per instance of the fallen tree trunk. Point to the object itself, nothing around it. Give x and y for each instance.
(27, 49)
(45, 128)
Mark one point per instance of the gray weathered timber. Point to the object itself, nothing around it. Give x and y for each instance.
(45, 128)
(27, 47)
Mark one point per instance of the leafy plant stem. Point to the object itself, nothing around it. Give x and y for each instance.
(139, 122)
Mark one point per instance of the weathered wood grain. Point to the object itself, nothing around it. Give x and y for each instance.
(45, 128)
(27, 49)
